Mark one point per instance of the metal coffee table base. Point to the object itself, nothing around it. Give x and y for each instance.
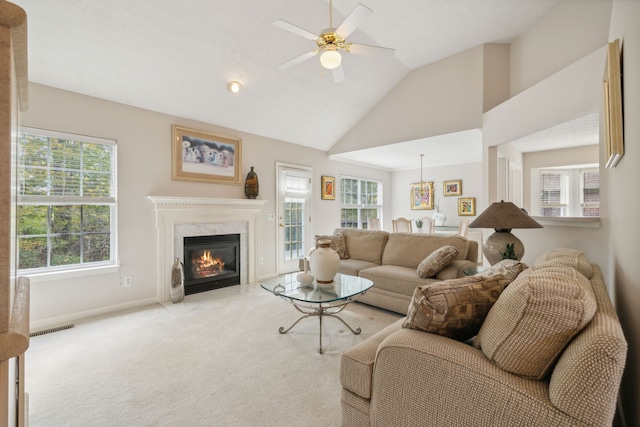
(321, 311)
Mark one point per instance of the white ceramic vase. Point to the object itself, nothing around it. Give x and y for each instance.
(177, 282)
(324, 262)
(305, 278)
(439, 219)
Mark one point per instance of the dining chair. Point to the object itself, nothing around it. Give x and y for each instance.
(463, 228)
(402, 225)
(428, 225)
(374, 224)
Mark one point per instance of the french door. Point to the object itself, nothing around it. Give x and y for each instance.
(294, 215)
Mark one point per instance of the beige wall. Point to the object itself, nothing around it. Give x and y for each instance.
(144, 168)
(624, 202)
(544, 50)
(420, 105)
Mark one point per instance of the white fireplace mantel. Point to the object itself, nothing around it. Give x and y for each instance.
(174, 211)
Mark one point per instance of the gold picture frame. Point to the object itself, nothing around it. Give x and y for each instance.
(418, 201)
(328, 188)
(452, 188)
(467, 206)
(612, 88)
(200, 156)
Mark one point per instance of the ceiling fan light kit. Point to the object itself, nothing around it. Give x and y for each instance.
(333, 40)
(330, 59)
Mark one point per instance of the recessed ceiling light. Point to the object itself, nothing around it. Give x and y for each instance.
(234, 86)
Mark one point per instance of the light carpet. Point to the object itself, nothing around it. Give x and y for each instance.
(217, 359)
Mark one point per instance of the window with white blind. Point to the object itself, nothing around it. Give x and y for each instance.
(66, 201)
(566, 192)
(361, 200)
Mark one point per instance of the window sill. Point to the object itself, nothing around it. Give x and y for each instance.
(568, 221)
(50, 276)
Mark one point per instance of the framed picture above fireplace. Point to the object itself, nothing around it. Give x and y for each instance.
(205, 157)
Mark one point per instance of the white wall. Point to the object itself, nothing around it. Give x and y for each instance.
(144, 168)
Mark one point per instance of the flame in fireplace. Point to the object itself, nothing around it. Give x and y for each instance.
(207, 265)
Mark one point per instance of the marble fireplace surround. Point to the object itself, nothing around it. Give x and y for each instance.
(179, 217)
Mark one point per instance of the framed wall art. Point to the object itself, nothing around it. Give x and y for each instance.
(205, 157)
(422, 201)
(467, 206)
(612, 87)
(452, 188)
(328, 188)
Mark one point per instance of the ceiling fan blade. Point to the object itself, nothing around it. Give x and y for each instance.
(353, 21)
(363, 49)
(338, 74)
(295, 29)
(297, 60)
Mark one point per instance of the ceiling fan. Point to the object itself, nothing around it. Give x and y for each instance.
(333, 40)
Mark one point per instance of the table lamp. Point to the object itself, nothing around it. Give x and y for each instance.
(503, 217)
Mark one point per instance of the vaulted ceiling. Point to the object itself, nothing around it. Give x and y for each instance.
(176, 57)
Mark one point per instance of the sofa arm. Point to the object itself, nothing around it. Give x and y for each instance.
(456, 269)
(420, 376)
(356, 363)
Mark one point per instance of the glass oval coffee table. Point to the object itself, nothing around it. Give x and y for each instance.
(317, 299)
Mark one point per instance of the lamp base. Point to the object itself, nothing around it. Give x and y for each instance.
(496, 245)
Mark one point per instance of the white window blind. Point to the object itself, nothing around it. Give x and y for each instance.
(66, 169)
(553, 192)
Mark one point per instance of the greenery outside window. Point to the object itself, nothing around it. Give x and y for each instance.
(361, 200)
(66, 201)
(567, 192)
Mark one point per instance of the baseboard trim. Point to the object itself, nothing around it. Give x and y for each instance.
(72, 317)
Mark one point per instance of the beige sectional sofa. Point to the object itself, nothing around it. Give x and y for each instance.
(390, 260)
(550, 352)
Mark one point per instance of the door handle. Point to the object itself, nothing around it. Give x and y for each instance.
(281, 225)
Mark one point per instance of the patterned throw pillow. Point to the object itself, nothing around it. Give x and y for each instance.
(338, 244)
(509, 268)
(535, 318)
(436, 261)
(454, 308)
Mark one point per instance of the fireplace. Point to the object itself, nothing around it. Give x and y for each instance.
(211, 262)
(179, 217)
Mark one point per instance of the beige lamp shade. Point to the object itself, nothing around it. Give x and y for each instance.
(503, 217)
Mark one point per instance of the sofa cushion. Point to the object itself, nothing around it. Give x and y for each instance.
(365, 245)
(535, 318)
(338, 244)
(509, 268)
(353, 266)
(436, 261)
(394, 278)
(454, 308)
(408, 250)
(569, 258)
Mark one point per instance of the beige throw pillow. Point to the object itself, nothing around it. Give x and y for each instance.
(569, 258)
(535, 318)
(436, 261)
(338, 244)
(454, 308)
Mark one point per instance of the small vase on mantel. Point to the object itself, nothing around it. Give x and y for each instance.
(324, 262)
(251, 185)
